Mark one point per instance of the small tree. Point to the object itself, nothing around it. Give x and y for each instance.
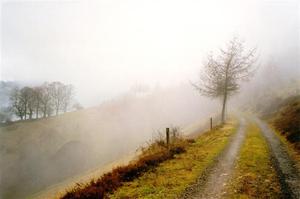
(223, 73)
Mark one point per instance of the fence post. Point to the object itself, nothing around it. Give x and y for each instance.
(211, 124)
(168, 136)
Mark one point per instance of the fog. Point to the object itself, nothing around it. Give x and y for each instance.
(115, 44)
(107, 49)
(38, 154)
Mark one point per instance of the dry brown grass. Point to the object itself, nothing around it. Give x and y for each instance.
(155, 153)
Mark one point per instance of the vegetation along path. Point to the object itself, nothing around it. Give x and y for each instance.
(288, 174)
(213, 185)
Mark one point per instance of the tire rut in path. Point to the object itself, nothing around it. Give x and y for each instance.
(289, 175)
(212, 185)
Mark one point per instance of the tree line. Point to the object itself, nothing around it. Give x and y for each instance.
(41, 101)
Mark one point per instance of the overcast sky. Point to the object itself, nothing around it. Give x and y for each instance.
(104, 47)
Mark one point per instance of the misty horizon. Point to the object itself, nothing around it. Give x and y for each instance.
(104, 48)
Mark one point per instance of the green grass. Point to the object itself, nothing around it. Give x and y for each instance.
(254, 176)
(171, 177)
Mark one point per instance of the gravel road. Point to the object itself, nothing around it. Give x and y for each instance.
(288, 174)
(213, 183)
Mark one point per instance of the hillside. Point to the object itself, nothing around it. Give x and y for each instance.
(247, 161)
(243, 159)
(247, 158)
(39, 153)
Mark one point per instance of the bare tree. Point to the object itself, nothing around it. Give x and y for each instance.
(46, 100)
(25, 96)
(58, 91)
(77, 106)
(16, 103)
(67, 97)
(5, 114)
(37, 96)
(31, 102)
(223, 73)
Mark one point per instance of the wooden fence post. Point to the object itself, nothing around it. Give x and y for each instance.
(211, 124)
(168, 136)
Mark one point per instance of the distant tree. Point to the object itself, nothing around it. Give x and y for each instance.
(67, 97)
(223, 73)
(46, 100)
(16, 103)
(5, 114)
(50, 110)
(31, 102)
(37, 97)
(2, 117)
(26, 94)
(77, 106)
(58, 91)
(139, 88)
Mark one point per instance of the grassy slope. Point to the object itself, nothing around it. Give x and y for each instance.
(56, 191)
(173, 176)
(254, 176)
(84, 136)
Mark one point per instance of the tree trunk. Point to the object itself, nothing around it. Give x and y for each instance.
(37, 110)
(225, 92)
(224, 108)
(45, 110)
(37, 113)
(25, 112)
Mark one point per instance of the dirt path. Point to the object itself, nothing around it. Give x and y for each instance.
(212, 185)
(288, 174)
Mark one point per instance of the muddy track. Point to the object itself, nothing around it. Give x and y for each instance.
(212, 183)
(287, 172)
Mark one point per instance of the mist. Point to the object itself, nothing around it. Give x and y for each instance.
(107, 49)
(116, 44)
